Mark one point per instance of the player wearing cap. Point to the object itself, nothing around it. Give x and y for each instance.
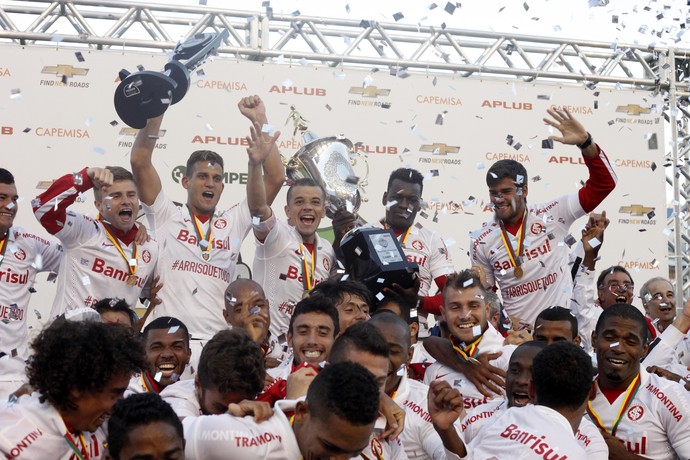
(466, 315)
(641, 414)
(522, 249)
(22, 256)
(102, 256)
(202, 242)
(334, 421)
(78, 371)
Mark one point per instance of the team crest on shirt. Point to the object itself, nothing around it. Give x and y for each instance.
(635, 413)
(536, 228)
(205, 255)
(418, 245)
(20, 254)
(146, 256)
(326, 265)
(220, 224)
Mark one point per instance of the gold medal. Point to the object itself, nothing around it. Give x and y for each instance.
(518, 271)
(131, 280)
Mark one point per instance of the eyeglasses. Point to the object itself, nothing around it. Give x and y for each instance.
(615, 287)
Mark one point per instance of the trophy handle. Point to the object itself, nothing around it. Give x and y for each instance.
(363, 182)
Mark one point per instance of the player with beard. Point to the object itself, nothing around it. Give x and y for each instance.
(79, 370)
(518, 249)
(103, 257)
(166, 342)
(22, 256)
(640, 414)
(202, 241)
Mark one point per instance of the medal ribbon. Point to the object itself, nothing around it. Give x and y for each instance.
(197, 228)
(308, 275)
(469, 351)
(520, 237)
(81, 454)
(135, 252)
(629, 396)
(3, 245)
(148, 385)
(403, 236)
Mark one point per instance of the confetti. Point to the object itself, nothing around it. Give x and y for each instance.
(398, 16)
(254, 311)
(547, 144)
(380, 296)
(477, 331)
(652, 142)
(158, 376)
(450, 8)
(467, 283)
(85, 280)
(79, 56)
(26, 130)
(594, 243)
(480, 165)
(99, 150)
(15, 94)
(37, 313)
(194, 291)
(173, 329)
(268, 129)
(614, 344)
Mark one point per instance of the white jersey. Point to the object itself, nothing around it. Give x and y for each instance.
(139, 384)
(26, 255)
(587, 435)
(194, 281)
(492, 342)
(419, 437)
(530, 432)
(546, 280)
(278, 268)
(382, 449)
(91, 268)
(182, 398)
(32, 430)
(210, 437)
(656, 423)
(421, 360)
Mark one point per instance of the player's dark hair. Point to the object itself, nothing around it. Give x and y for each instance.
(119, 174)
(610, 271)
(506, 169)
(557, 313)
(316, 304)
(118, 306)
(304, 182)
(361, 336)
(134, 412)
(6, 177)
(202, 156)
(165, 322)
(406, 308)
(625, 311)
(231, 361)
(336, 290)
(389, 317)
(531, 344)
(346, 390)
(81, 356)
(464, 280)
(562, 376)
(408, 175)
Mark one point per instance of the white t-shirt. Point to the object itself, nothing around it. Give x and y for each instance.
(210, 437)
(194, 287)
(30, 430)
(546, 280)
(531, 432)
(419, 437)
(656, 423)
(182, 398)
(587, 435)
(381, 448)
(26, 255)
(492, 342)
(278, 267)
(429, 251)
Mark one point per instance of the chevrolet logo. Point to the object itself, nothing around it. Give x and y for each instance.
(636, 210)
(633, 109)
(134, 131)
(439, 149)
(64, 70)
(44, 184)
(369, 91)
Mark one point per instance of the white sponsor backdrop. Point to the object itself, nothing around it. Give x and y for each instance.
(456, 127)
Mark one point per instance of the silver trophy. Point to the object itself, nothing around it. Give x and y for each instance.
(329, 162)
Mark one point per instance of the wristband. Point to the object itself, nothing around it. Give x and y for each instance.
(586, 143)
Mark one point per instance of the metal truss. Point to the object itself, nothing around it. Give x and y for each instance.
(399, 48)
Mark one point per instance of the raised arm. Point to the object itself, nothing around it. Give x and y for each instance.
(145, 174)
(258, 151)
(253, 108)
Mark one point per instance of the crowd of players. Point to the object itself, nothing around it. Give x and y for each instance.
(305, 362)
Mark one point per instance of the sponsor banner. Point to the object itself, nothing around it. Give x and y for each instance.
(59, 118)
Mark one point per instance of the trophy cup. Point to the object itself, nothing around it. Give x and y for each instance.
(374, 256)
(147, 94)
(328, 161)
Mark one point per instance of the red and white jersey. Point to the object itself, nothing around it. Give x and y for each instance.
(26, 255)
(194, 281)
(182, 398)
(142, 383)
(492, 342)
(279, 264)
(91, 268)
(382, 449)
(419, 437)
(587, 435)
(30, 429)
(530, 432)
(421, 360)
(210, 437)
(656, 423)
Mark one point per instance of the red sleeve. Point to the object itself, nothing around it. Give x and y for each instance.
(602, 180)
(275, 392)
(64, 192)
(432, 304)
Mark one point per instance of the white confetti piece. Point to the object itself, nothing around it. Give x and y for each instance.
(614, 344)
(98, 150)
(208, 127)
(85, 280)
(173, 329)
(158, 376)
(380, 296)
(477, 331)
(594, 243)
(15, 94)
(268, 129)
